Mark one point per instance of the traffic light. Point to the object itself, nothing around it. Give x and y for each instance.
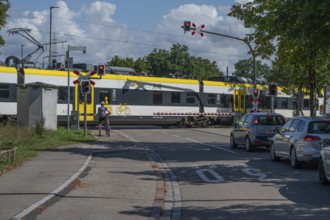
(187, 25)
(255, 93)
(85, 86)
(101, 70)
(272, 89)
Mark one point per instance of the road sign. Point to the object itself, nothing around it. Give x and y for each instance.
(82, 48)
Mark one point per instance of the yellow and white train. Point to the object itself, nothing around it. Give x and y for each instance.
(144, 99)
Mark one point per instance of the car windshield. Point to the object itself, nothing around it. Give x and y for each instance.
(270, 120)
(319, 127)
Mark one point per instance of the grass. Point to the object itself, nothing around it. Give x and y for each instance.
(30, 141)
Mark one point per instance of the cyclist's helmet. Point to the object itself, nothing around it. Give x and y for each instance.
(102, 103)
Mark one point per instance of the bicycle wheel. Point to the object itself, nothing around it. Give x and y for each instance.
(127, 111)
(107, 129)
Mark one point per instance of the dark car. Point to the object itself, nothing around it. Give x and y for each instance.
(255, 129)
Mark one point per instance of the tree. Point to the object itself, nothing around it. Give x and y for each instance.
(123, 62)
(178, 61)
(159, 62)
(298, 28)
(244, 68)
(4, 6)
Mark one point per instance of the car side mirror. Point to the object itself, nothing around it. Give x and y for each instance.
(276, 130)
(325, 143)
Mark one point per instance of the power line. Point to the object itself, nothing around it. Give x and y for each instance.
(136, 30)
(134, 43)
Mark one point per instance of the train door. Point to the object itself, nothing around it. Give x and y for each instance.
(239, 101)
(79, 98)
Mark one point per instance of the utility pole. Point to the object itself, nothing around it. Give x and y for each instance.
(50, 36)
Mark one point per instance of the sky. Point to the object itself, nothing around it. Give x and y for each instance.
(124, 28)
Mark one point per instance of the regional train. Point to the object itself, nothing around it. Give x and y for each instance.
(145, 100)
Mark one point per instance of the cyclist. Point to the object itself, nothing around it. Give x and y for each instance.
(102, 113)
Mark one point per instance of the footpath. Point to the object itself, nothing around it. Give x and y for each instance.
(107, 179)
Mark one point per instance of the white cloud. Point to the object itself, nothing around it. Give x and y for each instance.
(225, 51)
(93, 26)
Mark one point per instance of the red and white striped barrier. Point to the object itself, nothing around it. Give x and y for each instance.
(193, 113)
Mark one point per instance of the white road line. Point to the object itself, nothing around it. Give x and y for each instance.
(209, 145)
(212, 166)
(176, 135)
(55, 192)
(195, 166)
(164, 132)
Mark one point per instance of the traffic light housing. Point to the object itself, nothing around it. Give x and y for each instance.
(255, 93)
(101, 70)
(272, 89)
(187, 26)
(85, 86)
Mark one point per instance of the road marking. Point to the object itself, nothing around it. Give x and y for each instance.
(176, 135)
(212, 166)
(201, 174)
(195, 166)
(261, 176)
(164, 132)
(209, 145)
(55, 192)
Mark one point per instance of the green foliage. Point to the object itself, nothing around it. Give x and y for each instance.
(161, 62)
(29, 143)
(40, 126)
(296, 32)
(244, 68)
(4, 6)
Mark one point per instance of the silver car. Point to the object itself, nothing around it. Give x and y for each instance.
(299, 140)
(324, 163)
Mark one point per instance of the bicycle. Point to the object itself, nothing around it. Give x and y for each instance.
(123, 108)
(107, 127)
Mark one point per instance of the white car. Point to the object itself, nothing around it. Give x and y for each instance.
(324, 163)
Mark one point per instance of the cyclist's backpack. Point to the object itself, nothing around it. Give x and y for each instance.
(102, 112)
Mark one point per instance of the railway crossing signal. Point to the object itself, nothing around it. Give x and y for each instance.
(85, 86)
(272, 89)
(255, 93)
(100, 70)
(187, 26)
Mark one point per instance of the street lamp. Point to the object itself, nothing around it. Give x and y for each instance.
(50, 35)
(69, 62)
(22, 51)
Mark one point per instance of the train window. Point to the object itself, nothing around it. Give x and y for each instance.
(306, 103)
(236, 101)
(175, 97)
(4, 91)
(212, 99)
(284, 103)
(157, 98)
(226, 101)
(62, 94)
(104, 96)
(294, 104)
(242, 102)
(190, 98)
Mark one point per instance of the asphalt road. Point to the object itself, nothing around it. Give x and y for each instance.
(206, 179)
(217, 182)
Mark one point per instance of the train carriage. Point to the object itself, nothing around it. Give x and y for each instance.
(144, 99)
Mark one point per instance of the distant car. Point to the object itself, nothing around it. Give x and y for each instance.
(324, 163)
(255, 129)
(299, 140)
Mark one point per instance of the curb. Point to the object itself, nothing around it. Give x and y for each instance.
(55, 192)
